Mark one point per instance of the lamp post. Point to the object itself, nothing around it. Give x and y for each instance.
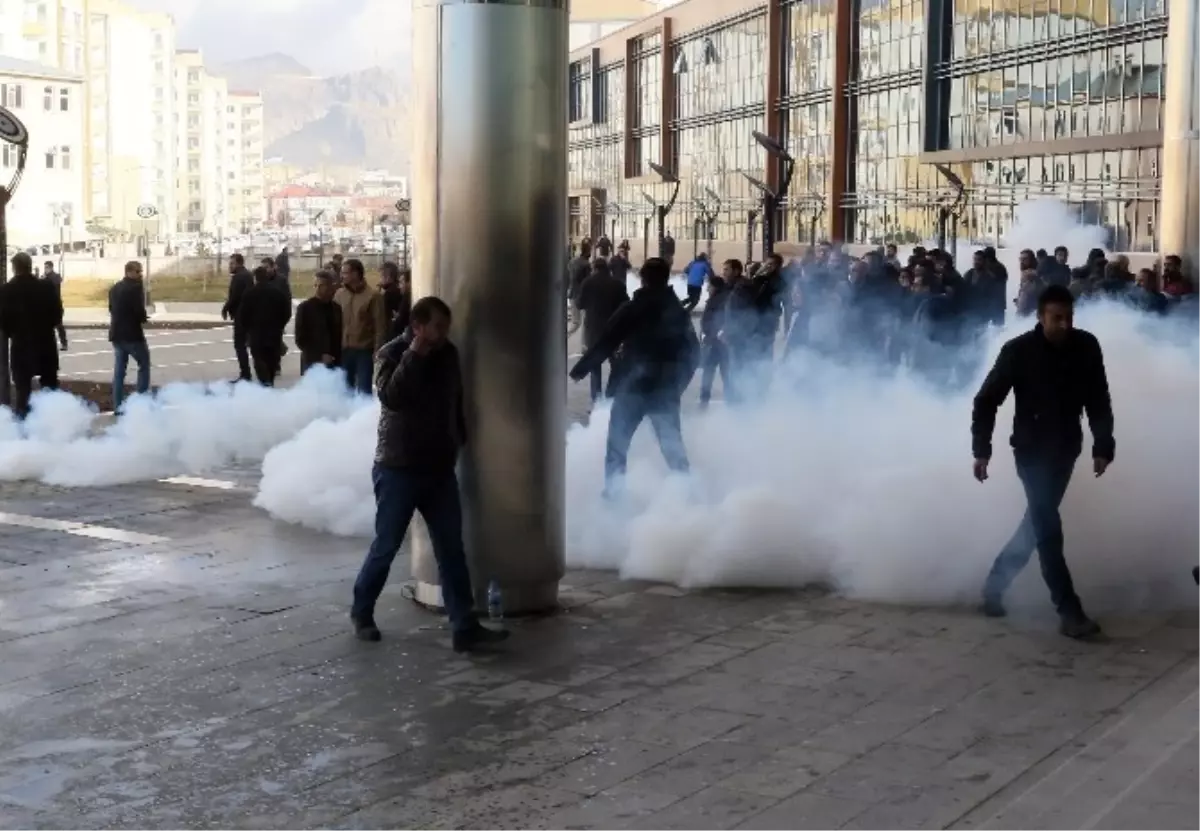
(771, 198)
(646, 226)
(708, 215)
(662, 210)
(13, 133)
(949, 211)
(751, 216)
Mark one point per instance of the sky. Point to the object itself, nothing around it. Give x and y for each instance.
(328, 36)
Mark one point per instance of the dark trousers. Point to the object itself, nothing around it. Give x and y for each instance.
(596, 382)
(62, 336)
(360, 367)
(714, 357)
(693, 297)
(22, 386)
(1045, 479)
(242, 351)
(267, 360)
(122, 352)
(397, 494)
(628, 412)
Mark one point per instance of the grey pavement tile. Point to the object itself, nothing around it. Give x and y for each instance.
(805, 810)
(714, 807)
(691, 770)
(784, 772)
(608, 810)
(607, 766)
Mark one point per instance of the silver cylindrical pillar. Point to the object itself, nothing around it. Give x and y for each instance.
(1180, 222)
(489, 215)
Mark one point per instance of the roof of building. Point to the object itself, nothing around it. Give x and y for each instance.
(598, 10)
(30, 69)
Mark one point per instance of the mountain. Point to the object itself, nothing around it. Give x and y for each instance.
(359, 119)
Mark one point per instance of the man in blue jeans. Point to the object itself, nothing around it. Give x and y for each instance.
(364, 325)
(421, 430)
(127, 319)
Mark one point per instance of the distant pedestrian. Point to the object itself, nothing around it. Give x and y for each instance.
(600, 295)
(126, 331)
(394, 285)
(262, 315)
(364, 325)
(422, 428)
(284, 287)
(319, 326)
(30, 312)
(55, 279)
(240, 280)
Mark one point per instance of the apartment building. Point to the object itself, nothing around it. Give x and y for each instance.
(131, 118)
(201, 111)
(594, 19)
(48, 32)
(244, 143)
(47, 208)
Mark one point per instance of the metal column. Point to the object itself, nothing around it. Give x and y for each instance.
(1180, 221)
(490, 169)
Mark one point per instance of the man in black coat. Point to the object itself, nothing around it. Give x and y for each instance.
(600, 295)
(1056, 373)
(126, 321)
(396, 287)
(577, 271)
(714, 351)
(50, 275)
(658, 354)
(240, 281)
(319, 325)
(31, 311)
(262, 315)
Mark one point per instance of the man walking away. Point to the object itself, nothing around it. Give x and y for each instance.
(319, 326)
(600, 295)
(698, 271)
(262, 316)
(577, 271)
(240, 280)
(30, 313)
(363, 325)
(422, 428)
(659, 354)
(55, 279)
(283, 286)
(1057, 373)
(715, 354)
(126, 321)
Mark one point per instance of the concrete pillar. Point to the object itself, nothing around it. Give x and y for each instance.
(489, 215)
(1180, 222)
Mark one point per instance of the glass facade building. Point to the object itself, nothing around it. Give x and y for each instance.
(877, 101)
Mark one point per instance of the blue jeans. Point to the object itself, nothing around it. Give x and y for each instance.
(397, 494)
(629, 410)
(122, 352)
(1045, 479)
(359, 365)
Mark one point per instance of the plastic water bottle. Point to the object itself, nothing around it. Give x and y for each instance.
(495, 604)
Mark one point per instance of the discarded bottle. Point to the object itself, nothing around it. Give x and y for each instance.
(495, 604)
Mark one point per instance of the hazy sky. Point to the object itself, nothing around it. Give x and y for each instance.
(328, 36)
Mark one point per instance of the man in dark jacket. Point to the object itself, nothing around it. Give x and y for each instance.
(319, 325)
(262, 316)
(126, 321)
(422, 428)
(714, 352)
(600, 296)
(240, 281)
(658, 354)
(395, 286)
(30, 312)
(1056, 373)
(618, 263)
(577, 271)
(55, 279)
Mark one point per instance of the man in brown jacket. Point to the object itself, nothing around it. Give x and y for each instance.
(364, 325)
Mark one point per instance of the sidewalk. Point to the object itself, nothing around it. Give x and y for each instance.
(161, 313)
(170, 657)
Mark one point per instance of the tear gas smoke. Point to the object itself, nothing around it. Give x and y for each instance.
(857, 478)
(186, 428)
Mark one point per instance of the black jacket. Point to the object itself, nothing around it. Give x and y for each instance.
(712, 319)
(619, 266)
(240, 282)
(30, 311)
(659, 351)
(127, 311)
(263, 313)
(318, 331)
(397, 307)
(577, 271)
(600, 295)
(1052, 385)
(422, 423)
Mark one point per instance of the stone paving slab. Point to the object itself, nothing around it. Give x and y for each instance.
(208, 679)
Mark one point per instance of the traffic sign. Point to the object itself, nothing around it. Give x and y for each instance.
(12, 131)
(147, 211)
(403, 205)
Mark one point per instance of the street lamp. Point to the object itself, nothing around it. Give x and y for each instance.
(14, 134)
(770, 198)
(949, 211)
(662, 210)
(708, 215)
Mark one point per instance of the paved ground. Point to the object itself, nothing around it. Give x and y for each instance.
(169, 657)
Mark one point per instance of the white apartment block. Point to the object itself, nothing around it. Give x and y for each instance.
(48, 206)
(244, 144)
(131, 118)
(49, 32)
(202, 101)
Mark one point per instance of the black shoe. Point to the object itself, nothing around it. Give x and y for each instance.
(468, 640)
(1080, 627)
(365, 628)
(993, 606)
